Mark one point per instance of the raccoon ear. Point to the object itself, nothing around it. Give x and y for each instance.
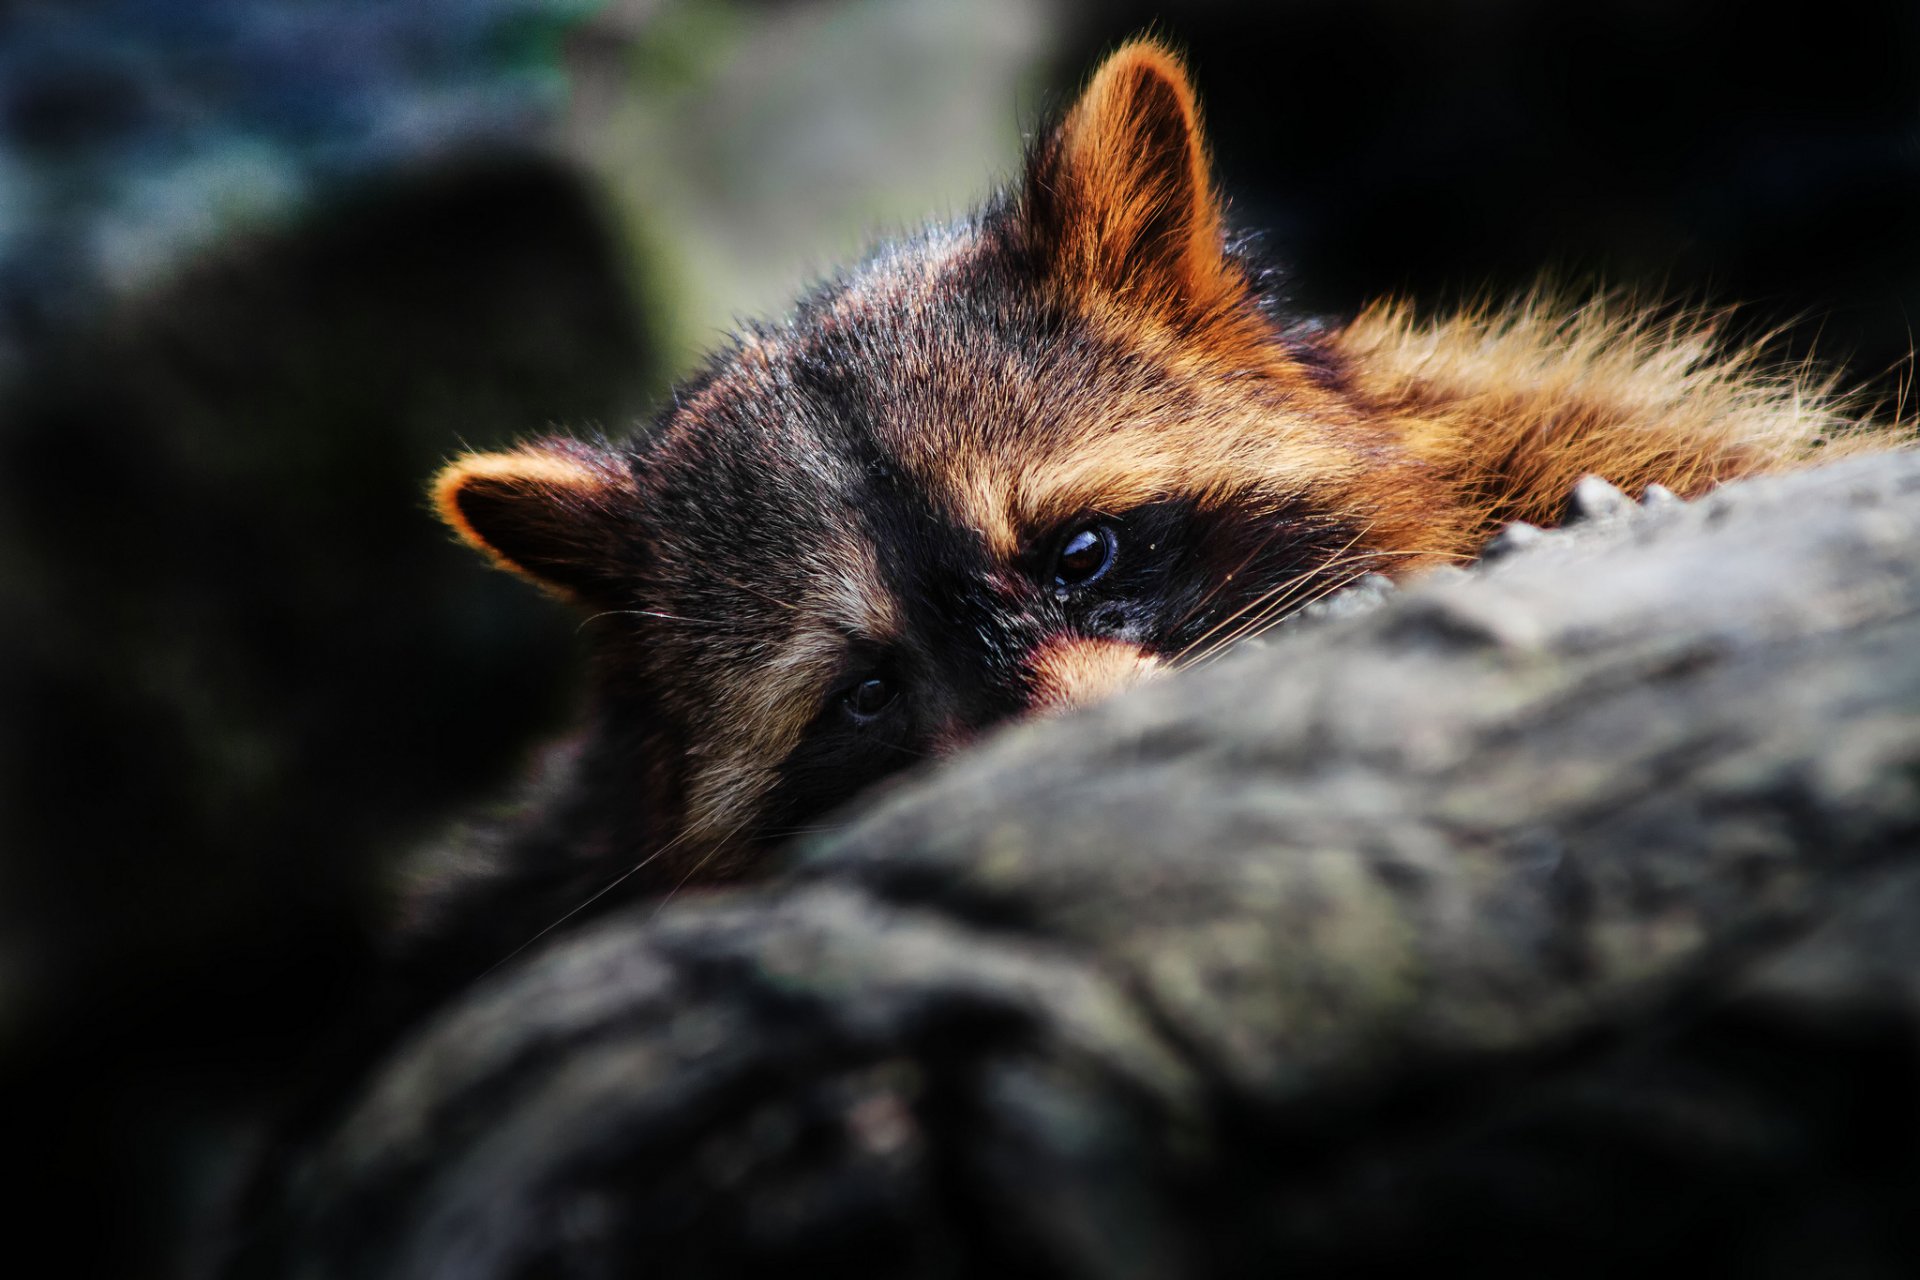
(552, 511)
(1117, 197)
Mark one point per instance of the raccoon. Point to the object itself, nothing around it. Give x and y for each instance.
(1015, 464)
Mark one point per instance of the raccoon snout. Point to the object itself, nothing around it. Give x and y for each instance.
(1071, 671)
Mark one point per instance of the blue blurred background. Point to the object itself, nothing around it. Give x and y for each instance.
(264, 263)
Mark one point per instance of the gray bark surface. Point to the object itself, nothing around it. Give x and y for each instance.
(1557, 916)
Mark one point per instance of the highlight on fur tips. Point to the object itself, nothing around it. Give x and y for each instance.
(1016, 463)
(549, 512)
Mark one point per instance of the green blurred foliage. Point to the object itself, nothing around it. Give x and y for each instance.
(753, 147)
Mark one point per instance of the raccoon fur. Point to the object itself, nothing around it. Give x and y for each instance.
(1015, 464)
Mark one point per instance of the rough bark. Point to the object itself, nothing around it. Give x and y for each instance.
(1557, 916)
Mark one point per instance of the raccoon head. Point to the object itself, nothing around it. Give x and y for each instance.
(1003, 468)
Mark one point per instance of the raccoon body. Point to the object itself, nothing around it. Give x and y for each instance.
(1017, 463)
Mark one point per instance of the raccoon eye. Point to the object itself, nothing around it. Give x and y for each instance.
(1084, 555)
(869, 698)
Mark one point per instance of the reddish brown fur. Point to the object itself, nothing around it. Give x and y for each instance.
(1513, 405)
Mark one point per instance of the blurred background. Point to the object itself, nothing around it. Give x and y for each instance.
(264, 263)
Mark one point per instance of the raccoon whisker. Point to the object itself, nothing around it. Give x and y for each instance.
(1270, 620)
(609, 887)
(1264, 608)
(650, 613)
(694, 870)
(1221, 583)
(1188, 649)
(1274, 615)
(1327, 583)
(1265, 596)
(752, 590)
(806, 829)
(1275, 604)
(1258, 625)
(912, 753)
(1266, 619)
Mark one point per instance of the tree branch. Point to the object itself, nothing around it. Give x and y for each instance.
(1563, 914)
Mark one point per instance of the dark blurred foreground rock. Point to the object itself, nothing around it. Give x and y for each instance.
(1560, 918)
(263, 265)
(229, 697)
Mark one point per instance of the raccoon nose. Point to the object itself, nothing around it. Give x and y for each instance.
(1071, 671)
